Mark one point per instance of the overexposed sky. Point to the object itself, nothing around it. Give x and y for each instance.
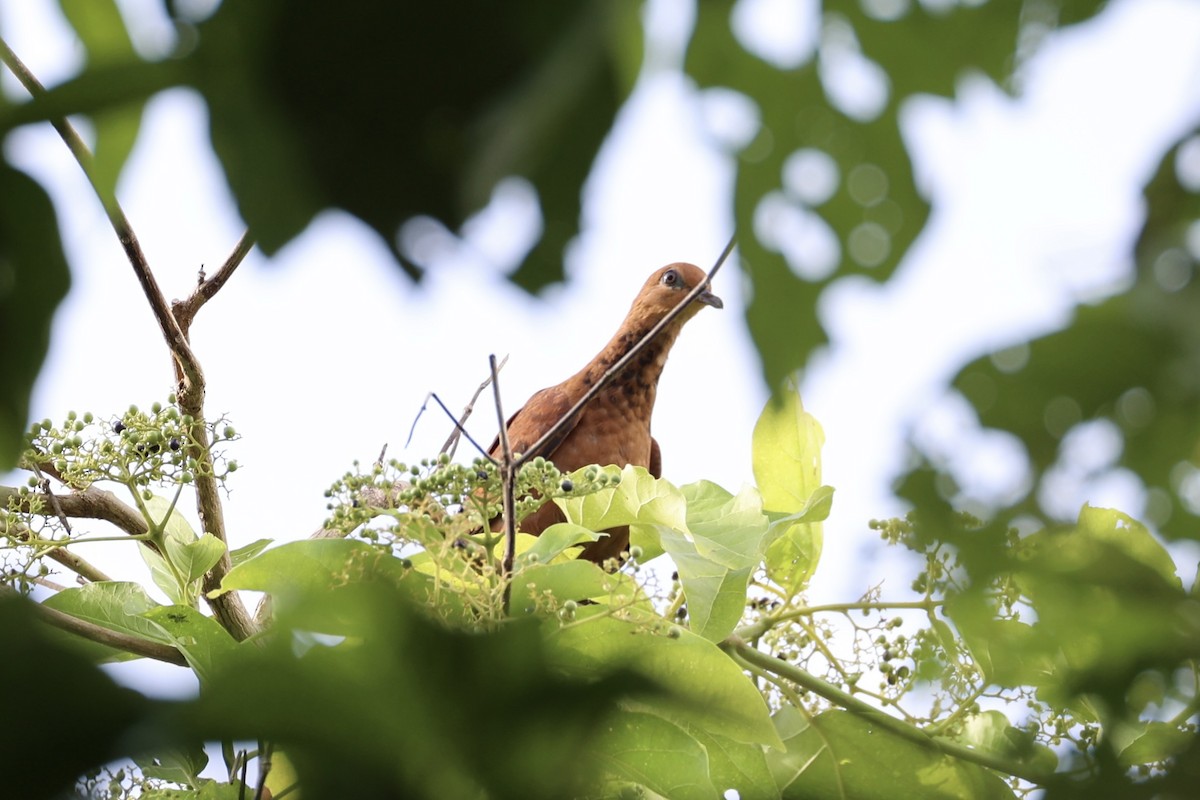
(322, 354)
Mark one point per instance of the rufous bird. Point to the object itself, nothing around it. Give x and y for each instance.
(614, 426)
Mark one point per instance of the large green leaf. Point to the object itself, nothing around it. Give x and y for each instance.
(836, 754)
(787, 467)
(657, 754)
(204, 643)
(716, 555)
(707, 689)
(33, 279)
(409, 707)
(116, 605)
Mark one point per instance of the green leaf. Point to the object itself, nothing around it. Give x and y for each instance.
(380, 706)
(102, 31)
(115, 605)
(314, 567)
(1148, 742)
(540, 585)
(655, 753)
(178, 765)
(717, 555)
(707, 689)
(249, 551)
(639, 497)
(202, 640)
(196, 557)
(556, 539)
(837, 754)
(33, 280)
(787, 466)
(736, 765)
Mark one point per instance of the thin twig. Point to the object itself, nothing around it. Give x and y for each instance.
(508, 476)
(207, 288)
(44, 485)
(744, 652)
(105, 636)
(452, 441)
(460, 430)
(621, 363)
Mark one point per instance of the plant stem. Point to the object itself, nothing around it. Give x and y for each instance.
(750, 655)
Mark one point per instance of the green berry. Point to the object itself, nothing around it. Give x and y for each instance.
(229, 432)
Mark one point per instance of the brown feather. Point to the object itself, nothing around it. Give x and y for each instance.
(614, 427)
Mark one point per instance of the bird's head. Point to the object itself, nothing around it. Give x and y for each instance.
(666, 287)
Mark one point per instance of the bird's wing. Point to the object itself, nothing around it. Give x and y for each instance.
(655, 467)
(537, 416)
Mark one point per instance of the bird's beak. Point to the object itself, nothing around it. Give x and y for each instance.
(709, 299)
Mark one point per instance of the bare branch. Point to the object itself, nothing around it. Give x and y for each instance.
(459, 430)
(616, 368)
(227, 607)
(185, 310)
(104, 636)
(91, 503)
(508, 479)
(452, 441)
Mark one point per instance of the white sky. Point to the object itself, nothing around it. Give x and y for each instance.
(325, 352)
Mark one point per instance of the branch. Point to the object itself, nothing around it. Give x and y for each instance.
(452, 441)
(227, 607)
(185, 311)
(91, 503)
(508, 478)
(741, 651)
(616, 368)
(104, 636)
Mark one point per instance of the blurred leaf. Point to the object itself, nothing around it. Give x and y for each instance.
(100, 27)
(1144, 383)
(649, 751)
(398, 708)
(180, 765)
(1148, 742)
(875, 210)
(296, 570)
(1108, 607)
(527, 88)
(43, 683)
(33, 279)
(837, 754)
(708, 689)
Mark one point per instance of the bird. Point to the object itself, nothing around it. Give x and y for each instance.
(614, 426)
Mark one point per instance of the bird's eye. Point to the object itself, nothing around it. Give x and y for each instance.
(670, 278)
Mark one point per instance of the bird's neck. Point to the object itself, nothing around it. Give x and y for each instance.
(643, 371)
